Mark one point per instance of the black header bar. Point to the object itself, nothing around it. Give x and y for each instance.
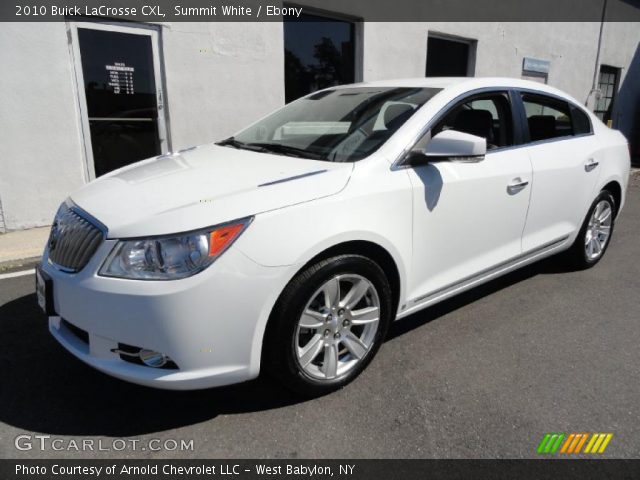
(364, 10)
(320, 469)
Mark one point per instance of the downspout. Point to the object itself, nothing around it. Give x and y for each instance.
(3, 227)
(594, 84)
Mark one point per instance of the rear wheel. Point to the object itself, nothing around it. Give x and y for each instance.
(328, 324)
(595, 234)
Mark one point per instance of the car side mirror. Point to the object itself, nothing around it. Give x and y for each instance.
(450, 145)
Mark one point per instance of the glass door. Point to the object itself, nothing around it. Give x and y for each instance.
(121, 101)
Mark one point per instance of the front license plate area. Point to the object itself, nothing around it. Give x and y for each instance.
(44, 291)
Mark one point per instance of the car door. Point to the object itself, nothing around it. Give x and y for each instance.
(564, 157)
(469, 217)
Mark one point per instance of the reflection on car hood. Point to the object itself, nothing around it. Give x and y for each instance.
(204, 186)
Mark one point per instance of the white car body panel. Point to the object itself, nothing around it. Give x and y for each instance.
(446, 226)
(200, 187)
(480, 237)
(193, 320)
(558, 201)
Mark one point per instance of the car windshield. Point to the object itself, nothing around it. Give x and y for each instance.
(337, 125)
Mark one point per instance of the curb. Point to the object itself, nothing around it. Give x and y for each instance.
(17, 265)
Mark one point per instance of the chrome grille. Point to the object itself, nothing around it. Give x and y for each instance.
(73, 240)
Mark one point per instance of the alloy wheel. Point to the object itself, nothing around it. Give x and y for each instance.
(598, 230)
(337, 327)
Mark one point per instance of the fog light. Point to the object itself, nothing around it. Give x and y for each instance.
(153, 359)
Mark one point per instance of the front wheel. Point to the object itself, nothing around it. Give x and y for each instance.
(594, 236)
(328, 324)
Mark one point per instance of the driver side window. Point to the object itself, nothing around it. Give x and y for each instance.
(487, 116)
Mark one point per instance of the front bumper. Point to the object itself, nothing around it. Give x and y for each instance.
(211, 324)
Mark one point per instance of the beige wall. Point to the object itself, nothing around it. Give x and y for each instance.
(220, 76)
(40, 146)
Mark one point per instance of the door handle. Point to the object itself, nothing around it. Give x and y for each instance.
(591, 164)
(516, 185)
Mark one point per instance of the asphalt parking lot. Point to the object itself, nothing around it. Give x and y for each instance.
(484, 375)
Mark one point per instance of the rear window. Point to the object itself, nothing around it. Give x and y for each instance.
(547, 117)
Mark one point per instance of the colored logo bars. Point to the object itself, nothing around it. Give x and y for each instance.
(574, 442)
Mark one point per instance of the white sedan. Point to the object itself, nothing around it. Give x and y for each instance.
(291, 246)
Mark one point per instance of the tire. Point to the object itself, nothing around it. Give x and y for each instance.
(317, 353)
(583, 253)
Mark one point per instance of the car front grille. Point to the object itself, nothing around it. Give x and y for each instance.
(73, 239)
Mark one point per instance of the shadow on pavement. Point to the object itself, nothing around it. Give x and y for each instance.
(548, 266)
(45, 389)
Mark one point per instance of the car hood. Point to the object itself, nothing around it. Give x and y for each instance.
(204, 186)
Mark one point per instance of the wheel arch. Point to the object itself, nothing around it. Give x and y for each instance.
(368, 248)
(371, 250)
(615, 189)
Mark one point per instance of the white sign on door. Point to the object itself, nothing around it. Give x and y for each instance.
(120, 78)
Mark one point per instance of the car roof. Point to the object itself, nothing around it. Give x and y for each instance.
(463, 83)
(425, 82)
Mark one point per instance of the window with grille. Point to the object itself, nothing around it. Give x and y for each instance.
(608, 85)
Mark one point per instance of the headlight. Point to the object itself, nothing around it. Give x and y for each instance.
(173, 256)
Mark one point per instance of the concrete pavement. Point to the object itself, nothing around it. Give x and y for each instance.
(22, 248)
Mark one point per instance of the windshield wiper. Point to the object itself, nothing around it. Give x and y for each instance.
(270, 148)
(232, 142)
(287, 150)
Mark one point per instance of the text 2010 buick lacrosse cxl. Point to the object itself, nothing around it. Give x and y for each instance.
(291, 246)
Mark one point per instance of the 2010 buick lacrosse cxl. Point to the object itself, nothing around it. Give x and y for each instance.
(291, 246)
